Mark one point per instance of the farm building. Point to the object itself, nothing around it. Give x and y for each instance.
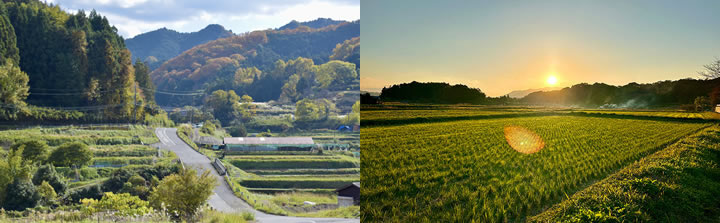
(269, 143)
(717, 108)
(349, 195)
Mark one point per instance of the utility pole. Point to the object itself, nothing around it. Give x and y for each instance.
(135, 104)
(192, 110)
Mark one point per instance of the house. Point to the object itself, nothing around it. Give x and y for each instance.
(717, 108)
(269, 143)
(349, 195)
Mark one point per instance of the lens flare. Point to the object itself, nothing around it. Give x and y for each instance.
(523, 140)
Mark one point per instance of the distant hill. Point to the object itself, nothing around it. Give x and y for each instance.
(523, 93)
(156, 47)
(315, 24)
(267, 64)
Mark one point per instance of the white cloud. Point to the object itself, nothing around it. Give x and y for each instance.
(133, 17)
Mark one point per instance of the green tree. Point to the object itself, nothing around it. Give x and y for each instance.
(184, 193)
(34, 150)
(247, 108)
(142, 76)
(208, 127)
(20, 195)
(47, 173)
(12, 167)
(117, 179)
(136, 186)
(8, 42)
(71, 154)
(307, 110)
(354, 117)
(47, 193)
(225, 106)
(336, 75)
(14, 84)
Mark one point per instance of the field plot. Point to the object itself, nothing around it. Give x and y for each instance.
(664, 114)
(461, 171)
(415, 113)
(112, 147)
(281, 182)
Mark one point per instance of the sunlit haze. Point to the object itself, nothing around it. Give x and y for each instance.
(503, 46)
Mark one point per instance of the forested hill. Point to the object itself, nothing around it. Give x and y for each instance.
(632, 95)
(156, 47)
(66, 60)
(284, 65)
(315, 24)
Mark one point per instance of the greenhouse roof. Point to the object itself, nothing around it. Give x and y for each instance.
(269, 140)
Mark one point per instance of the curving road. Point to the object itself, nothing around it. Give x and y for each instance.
(224, 199)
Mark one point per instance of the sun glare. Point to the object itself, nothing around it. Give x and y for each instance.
(551, 80)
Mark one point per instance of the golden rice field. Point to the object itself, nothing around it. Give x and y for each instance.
(465, 171)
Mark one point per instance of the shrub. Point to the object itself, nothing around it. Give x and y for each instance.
(35, 150)
(237, 130)
(47, 173)
(75, 195)
(21, 194)
(121, 204)
(208, 128)
(184, 193)
(117, 179)
(47, 193)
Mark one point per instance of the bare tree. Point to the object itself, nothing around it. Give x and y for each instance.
(712, 70)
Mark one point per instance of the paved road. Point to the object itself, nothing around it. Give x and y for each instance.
(224, 199)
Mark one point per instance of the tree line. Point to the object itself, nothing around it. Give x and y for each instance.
(56, 59)
(689, 94)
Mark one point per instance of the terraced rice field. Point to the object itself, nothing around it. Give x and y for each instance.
(666, 114)
(112, 146)
(296, 171)
(464, 171)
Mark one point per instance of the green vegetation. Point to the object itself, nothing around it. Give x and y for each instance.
(71, 154)
(678, 184)
(299, 182)
(74, 63)
(266, 65)
(465, 170)
(158, 46)
(181, 195)
(280, 183)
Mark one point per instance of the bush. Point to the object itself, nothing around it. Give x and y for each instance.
(208, 128)
(117, 180)
(21, 194)
(75, 195)
(237, 130)
(71, 154)
(47, 173)
(120, 204)
(183, 194)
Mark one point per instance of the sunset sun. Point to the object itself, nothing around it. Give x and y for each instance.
(551, 80)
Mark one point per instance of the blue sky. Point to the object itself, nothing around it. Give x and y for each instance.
(133, 17)
(500, 46)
